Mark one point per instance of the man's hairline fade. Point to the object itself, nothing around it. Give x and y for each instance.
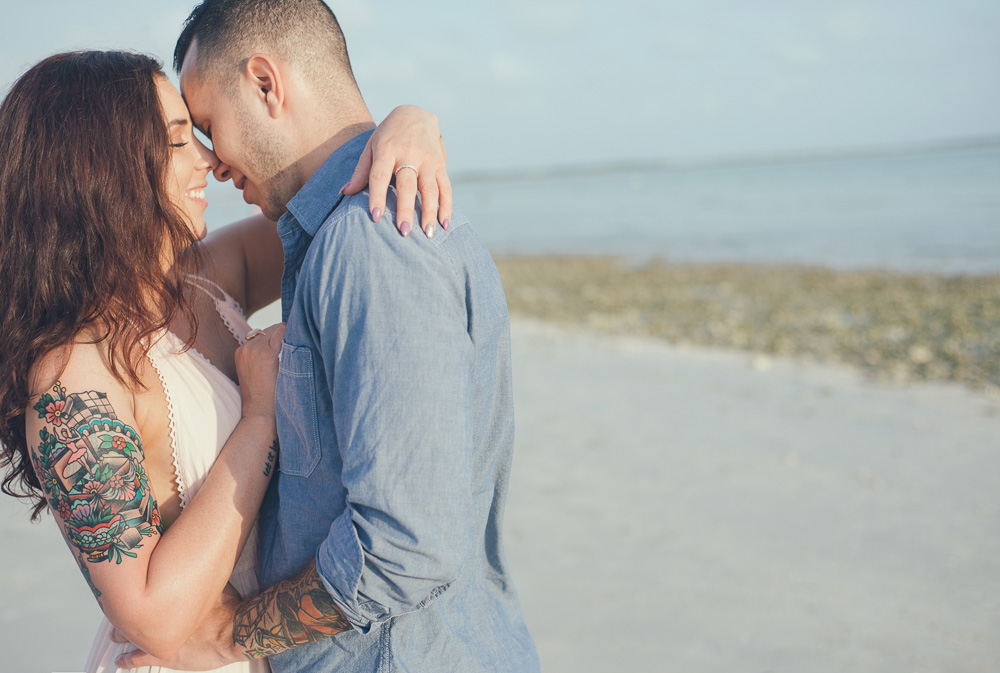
(202, 70)
(217, 54)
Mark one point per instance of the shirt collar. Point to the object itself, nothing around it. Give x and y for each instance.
(319, 196)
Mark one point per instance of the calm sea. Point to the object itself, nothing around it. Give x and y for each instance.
(920, 213)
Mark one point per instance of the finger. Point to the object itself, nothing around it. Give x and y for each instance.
(406, 195)
(135, 659)
(444, 199)
(275, 334)
(378, 182)
(360, 177)
(428, 206)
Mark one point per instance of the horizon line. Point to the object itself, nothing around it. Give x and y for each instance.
(619, 166)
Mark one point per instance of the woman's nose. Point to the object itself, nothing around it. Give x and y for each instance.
(210, 162)
(206, 157)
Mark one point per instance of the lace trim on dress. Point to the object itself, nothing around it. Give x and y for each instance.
(175, 458)
(224, 300)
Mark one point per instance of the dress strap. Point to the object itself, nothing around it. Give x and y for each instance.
(228, 308)
(171, 419)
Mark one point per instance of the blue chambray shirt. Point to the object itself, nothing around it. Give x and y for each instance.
(395, 416)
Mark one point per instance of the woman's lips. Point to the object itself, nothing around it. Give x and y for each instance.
(197, 194)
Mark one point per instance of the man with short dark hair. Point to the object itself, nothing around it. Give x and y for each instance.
(381, 535)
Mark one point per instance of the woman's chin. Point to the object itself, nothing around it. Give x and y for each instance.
(196, 223)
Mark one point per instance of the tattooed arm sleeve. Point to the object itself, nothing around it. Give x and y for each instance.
(155, 586)
(91, 468)
(290, 613)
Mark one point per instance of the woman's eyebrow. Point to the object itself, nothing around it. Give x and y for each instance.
(177, 122)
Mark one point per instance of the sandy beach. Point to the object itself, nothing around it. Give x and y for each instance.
(685, 509)
(680, 508)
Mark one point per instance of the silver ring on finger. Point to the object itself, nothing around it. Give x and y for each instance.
(410, 166)
(254, 333)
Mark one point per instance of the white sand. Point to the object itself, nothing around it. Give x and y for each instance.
(691, 510)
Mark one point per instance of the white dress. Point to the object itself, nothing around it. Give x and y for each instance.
(209, 404)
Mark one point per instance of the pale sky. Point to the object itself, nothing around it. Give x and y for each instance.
(562, 82)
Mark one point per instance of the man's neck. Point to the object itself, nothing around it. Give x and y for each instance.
(336, 135)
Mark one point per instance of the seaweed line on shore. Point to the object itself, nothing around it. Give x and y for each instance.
(893, 326)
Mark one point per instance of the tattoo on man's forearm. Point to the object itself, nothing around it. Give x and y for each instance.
(291, 613)
(269, 462)
(90, 466)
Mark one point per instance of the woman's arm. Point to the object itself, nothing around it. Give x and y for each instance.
(246, 261)
(246, 256)
(154, 586)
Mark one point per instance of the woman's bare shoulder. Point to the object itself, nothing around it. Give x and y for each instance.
(76, 383)
(75, 361)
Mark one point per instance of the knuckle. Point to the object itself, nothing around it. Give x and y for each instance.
(379, 172)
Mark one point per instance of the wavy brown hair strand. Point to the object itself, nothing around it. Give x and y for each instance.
(86, 223)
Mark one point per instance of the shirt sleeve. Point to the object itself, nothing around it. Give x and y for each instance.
(391, 320)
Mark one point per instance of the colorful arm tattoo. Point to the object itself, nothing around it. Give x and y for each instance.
(291, 613)
(90, 466)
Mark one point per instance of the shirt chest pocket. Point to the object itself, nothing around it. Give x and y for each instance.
(298, 422)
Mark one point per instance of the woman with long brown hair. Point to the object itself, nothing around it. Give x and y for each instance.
(120, 342)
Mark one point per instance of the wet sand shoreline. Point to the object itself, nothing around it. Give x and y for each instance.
(893, 326)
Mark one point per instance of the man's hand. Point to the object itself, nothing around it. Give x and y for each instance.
(209, 647)
(406, 144)
(293, 612)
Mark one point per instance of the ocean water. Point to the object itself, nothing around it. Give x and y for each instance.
(936, 213)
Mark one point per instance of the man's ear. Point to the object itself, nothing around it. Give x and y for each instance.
(265, 75)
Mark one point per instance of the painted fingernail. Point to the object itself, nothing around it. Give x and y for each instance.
(430, 230)
(405, 228)
(345, 186)
(376, 214)
(446, 224)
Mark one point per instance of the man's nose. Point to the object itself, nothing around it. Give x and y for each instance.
(223, 171)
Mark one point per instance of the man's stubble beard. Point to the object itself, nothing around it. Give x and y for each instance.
(264, 156)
